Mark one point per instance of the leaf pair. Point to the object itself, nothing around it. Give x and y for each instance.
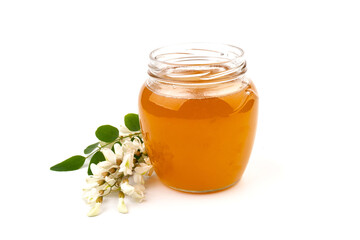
(105, 133)
(77, 162)
(108, 133)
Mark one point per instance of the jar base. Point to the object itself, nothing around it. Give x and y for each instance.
(204, 191)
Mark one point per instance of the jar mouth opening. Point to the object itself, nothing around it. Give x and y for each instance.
(196, 54)
(197, 63)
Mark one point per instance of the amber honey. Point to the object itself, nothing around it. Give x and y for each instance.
(198, 137)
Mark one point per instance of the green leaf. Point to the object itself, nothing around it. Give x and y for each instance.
(107, 133)
(132, 122)
(91, 148)
(96, 158)
(70, 164)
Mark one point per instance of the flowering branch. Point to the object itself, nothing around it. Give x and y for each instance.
(118, 162)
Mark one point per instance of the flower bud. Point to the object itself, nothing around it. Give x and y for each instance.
(100, 182)
(105, 174)
(121, 194)
(99, 199)
(112, 170)
(126, 187)
(138, 153)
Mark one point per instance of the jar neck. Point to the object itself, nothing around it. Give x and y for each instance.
(197, 64)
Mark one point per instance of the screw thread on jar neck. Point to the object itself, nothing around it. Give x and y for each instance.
(197, 64)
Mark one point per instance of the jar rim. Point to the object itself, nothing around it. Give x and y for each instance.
(226, 53)
(197, 64)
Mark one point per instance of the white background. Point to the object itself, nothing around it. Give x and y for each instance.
(67, 67)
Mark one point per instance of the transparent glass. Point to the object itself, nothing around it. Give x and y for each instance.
(198, 113)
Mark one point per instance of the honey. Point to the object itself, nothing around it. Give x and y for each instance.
(199, 133)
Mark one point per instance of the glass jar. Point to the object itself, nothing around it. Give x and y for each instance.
(198, 114)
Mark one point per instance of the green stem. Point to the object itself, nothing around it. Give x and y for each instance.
(117, 139)
(92, 153)
(130, 135)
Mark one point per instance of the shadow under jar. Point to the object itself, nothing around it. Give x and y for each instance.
(198, 115)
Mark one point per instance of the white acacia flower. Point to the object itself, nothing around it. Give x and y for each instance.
(147, 161)
(109, 155)
(138, 144)
(121, 206)
(128, 163)
(126, 188)
(140, 170)
(90, 195)
(118, 151)
(111, 159)
(100, 183)
(96, 170)
(143, 168)
(127, 159)
(92, 181)
(102, 169)
(136, 191)
(95, 210)
(139, 192)
(138, 178)
(105, 171)
(111, 181)
(133, 145)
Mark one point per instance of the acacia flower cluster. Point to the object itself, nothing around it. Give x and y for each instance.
(126, 163)
(118, 162)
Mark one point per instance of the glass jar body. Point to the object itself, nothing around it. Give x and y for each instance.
(199, 139)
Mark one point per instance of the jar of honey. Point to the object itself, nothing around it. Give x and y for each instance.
(198, 114)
